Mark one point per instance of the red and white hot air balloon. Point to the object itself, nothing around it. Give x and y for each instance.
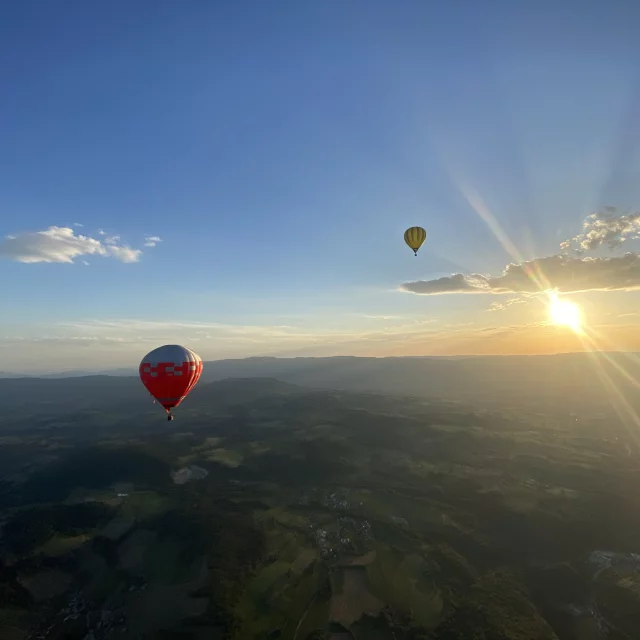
(169, 373)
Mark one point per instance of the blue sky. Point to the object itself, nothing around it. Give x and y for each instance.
(279, 150)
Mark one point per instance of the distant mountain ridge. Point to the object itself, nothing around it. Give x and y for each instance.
(570, 379)
(272, 363)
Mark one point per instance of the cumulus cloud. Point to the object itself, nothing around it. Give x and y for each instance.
(123, 253)
(559, 272)
(605, 228)
(151, 241)
(62, 244)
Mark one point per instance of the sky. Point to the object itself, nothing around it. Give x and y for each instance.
(237, 178)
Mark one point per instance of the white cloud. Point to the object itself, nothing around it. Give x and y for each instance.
(123, 253)
(77, 224)
(151, 241)
(562, 272)
(61, 244)
(605, 227)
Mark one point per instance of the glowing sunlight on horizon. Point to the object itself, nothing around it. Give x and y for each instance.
(566, 313)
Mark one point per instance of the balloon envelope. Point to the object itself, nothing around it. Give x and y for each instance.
(169, 373)
(414, 237)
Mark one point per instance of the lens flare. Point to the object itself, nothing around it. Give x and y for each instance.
(566, 313)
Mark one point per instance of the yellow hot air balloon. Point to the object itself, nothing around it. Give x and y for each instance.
(414, 237)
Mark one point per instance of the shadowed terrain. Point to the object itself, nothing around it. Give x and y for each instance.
(268, 509)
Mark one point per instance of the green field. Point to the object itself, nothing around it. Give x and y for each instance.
(227, 457)
(142, 505)
(403, 582)
(59, 545)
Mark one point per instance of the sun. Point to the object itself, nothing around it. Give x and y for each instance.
(565, 312)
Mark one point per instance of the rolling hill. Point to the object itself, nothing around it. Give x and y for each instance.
(573, 381)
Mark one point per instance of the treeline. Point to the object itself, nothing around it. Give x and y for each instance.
(31, 528)
(236, 549)
(226, 533)
(12, 593)
(95, 468)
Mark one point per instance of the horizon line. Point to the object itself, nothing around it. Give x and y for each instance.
(80, 373)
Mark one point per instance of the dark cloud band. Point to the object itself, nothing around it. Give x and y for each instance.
(559, 272)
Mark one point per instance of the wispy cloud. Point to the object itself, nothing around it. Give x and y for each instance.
(368, 317)
(566, 274)
(151, 241)
(458, 325)
(63, 245)
(242, 334)
(100, 344)
(501, 306)
(65, 340)
(121, 341)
